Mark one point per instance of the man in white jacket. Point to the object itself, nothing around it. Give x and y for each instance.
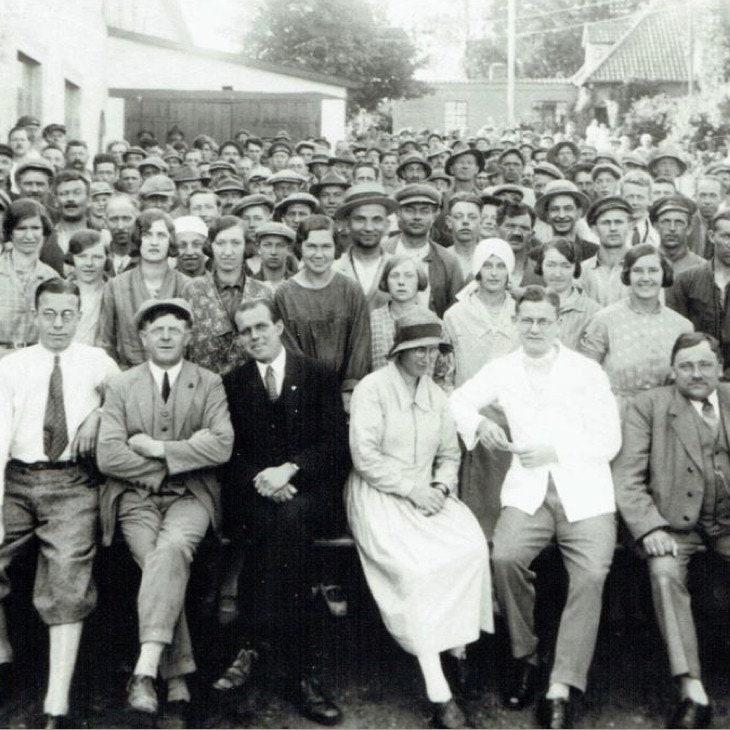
(564, 431)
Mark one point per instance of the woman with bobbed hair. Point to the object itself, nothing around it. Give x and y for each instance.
(25, 228)
(633, 338)
(558, 264)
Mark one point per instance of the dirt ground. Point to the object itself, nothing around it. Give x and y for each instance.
(374, 682)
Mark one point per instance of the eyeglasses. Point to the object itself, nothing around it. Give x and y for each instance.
(705, 368)
(49, 315)
(529, 322)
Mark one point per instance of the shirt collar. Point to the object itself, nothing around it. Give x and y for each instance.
(278, 365)
(238, 285)
(422, 398)
(158, 373)
(714, 401)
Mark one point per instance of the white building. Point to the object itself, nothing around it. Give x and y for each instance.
(107, 68)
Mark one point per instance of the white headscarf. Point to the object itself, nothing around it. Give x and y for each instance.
(484, 249)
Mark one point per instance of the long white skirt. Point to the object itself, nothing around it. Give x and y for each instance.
(429, 575)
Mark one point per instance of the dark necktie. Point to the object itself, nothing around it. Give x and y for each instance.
(709, 416)
(635, 237)
(165, 387)
(55, 433)
(270, 382)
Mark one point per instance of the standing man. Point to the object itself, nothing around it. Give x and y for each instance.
(516, 222)
(365, 213)
(671, 480)
(463, 166)
(564, 427)
(186, 181)
(672, 218)
(635, 188)
(33, 179)
(610, 218)
(417, 207)
(121, 213)
(274, 244)
(71, 189)
(286, 473)
(463, 219)
(165, 429)
(709, 199)
(50, 395)
(388, 172)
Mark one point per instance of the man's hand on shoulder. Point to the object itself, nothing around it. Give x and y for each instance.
(146, 446)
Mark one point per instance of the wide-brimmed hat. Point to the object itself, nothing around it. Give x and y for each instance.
(555, 188)
(478, 156)
(671, 152)
(419, 327)
(306, 198)
(367, 193)
(153, 161)
(150, 305)
(552, 153)
(409, 159)
(331, 179)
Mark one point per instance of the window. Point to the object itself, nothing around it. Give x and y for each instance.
(72, 109)
(455, 115)
(29, 86)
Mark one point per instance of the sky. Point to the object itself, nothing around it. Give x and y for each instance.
(204, 20)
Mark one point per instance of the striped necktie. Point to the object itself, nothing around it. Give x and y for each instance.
(55, 433)
(270, 382)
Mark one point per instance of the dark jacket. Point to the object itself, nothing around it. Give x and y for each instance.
(316, 432)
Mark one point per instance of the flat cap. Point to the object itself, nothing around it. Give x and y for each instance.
(100, 187)
(305, 198)
(440, 150)
(34, 163)
(134, 150)
(417, 193)
(149, 306)
(547, 168)
(172, 154)
(153, 161)
(319, 158)
(230, 183)
(438, 175)
(272, 228)
(280, 146)
(634, 159)
(186, 173)
(603, 205)
(512, 151)
(668, 151)
(552, 153)
(282, 135)
(603, 156)
(221, 166)
(367, 193)
(28, 120)
(286, 176)
(304, 144)
(259, 173)
(606, 167)
(54, 127)
(249, 201)
(157, 185)
(674, 202)
(331, 179)
(345, 158)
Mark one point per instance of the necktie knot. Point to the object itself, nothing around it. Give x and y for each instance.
(709, 415)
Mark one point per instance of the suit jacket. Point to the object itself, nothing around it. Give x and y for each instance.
(202, 438)
(316, 434)
(659, 473)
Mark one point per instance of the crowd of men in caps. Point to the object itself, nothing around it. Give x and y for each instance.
(467, 348)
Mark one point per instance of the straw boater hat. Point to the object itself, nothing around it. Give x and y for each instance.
(417, 328)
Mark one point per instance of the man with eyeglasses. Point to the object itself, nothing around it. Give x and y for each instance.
(672, 479)
(50, 394)
(564, 430)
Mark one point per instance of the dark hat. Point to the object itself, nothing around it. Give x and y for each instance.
(306, 198)
(358, 147)
(555, 188)
(280, 144)
(305, 143)
(601, 206)
(153, 161)
(475, 153)
(491, 199)
(408, 159)
(417, 193)
(512, 151)
(318, 158)
(54, 127)
(346, 158)
(508, 188)
(712, 170)
(35, 163)
(438, 175)
(552, 153)
(367, 193)
(329, 180)
(404, 143)
(673, 202)
(6, 150)
(606, 167)
(259, 173)
(271, 228)
(671, 152)
(185, 173)
(151, 305)
(419, 327)
(28, 120)
(547, 168)
(229, 183)
(282, 136)
(634, 159)
(134, 150)
(250, 201)
(221, 165)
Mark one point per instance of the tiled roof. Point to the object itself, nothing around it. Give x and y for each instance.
(654, 49)
(605, 32)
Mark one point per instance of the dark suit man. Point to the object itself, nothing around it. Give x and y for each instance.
(289, 460)
(165, 429)
(672, 480)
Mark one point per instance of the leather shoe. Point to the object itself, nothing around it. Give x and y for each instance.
(522, 688)
(690, 714)
(555, 713)
(447, 715)
(141, 694)
(51, 722)
(314, 705)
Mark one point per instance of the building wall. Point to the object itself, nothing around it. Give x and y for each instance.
(486, 103)
(66, 39)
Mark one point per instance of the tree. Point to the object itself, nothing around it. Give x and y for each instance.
(549, 35)
(346, 38)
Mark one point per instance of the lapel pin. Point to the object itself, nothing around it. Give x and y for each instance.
(294, 387)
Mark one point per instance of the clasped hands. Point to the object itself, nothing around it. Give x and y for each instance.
(429, 498)
(530, 456)
(274, 482)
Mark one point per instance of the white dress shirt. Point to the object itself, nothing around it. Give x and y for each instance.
(573, 410)
(714, 402)
(158, 374)
(24, 379)
(278, 365)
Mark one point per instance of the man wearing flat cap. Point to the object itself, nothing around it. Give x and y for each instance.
(286, 182)
(278, 155)
(365, 212)
(701, 293)
(417, 208)
(274, 245)
(672, 218)
(157, 191)
(186, 180)
(230, 191)
(164, 431)
(600, 278)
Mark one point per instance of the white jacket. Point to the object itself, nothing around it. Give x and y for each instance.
(580, 420)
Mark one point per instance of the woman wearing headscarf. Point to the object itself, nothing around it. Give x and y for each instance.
(425, 559)
(480, 327)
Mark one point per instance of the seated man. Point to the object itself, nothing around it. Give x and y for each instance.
(164, 429)
(50, 395)
(289, 461)
(672, 477)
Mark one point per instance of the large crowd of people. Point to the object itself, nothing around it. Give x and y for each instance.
(524, 336)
